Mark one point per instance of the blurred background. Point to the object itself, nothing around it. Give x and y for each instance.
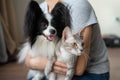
(11, 35)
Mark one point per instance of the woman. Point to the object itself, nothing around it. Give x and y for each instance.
(94, 63)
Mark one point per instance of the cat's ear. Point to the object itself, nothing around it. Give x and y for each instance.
(67, 34)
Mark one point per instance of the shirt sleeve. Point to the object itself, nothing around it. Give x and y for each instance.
(82, 15)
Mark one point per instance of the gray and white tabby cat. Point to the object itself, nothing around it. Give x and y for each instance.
(67, 51)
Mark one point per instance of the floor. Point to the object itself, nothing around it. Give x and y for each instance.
(114, 63)
(14, 71)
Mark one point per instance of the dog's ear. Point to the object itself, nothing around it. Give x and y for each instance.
(32, 17)
(67, 35)
(61, 17)
(62, 11)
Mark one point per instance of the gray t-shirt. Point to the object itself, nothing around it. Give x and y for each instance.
(82, 15)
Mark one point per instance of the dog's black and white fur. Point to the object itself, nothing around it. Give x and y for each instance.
(43, 31)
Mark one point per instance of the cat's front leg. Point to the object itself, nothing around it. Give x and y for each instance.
(70, 72)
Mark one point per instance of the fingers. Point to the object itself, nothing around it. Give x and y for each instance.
(57, 63)
(59, 68)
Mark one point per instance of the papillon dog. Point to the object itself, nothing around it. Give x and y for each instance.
(43, 31)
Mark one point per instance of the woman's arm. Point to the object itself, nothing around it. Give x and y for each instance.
(39, 63)
(82, 60)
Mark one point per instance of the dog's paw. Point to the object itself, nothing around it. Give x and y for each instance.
(38, 77)
(47, 71)
(48, 68)
(51, 76)
(67, 78)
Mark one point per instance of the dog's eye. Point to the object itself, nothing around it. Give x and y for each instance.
(44, 25)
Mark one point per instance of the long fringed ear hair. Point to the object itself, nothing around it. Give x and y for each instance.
(32, 19)
(61, 17)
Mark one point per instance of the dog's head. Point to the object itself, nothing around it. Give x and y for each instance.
(48, 25)
(38, 24)
(72, 43)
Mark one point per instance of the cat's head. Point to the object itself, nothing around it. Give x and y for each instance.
(71, 43)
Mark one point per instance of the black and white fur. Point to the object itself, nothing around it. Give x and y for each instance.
(43, 31)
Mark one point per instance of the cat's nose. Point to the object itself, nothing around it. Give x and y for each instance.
(82, 49)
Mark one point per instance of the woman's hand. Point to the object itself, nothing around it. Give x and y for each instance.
(28, 60)
(60, 68)
(37, 63)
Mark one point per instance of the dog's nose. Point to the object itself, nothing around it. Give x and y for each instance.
(52, 31)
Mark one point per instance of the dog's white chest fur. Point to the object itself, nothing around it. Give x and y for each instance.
(43, 47)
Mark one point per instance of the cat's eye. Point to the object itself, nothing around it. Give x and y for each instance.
(74, 44)
(45, 26)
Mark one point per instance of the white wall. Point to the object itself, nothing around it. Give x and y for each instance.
(107, 11)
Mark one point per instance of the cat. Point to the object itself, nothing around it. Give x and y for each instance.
(67, 51)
